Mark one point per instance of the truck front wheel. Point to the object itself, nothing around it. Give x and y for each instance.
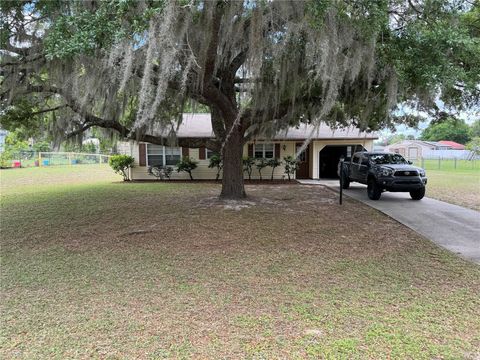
(417, 194)
(373, 190)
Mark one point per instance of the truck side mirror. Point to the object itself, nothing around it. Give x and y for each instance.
(410, 162)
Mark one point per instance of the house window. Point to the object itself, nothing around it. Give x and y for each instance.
(209, 153)
(172, 155)
(158, 155)
(155, 155)
(265, 151)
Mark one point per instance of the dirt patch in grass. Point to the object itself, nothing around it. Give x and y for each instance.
(158, 270)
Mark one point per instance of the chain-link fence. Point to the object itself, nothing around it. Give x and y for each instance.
(447, 164)
(33, 158)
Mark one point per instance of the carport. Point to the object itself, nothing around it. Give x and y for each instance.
(330, 156)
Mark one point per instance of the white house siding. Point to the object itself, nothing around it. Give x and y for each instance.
(279, 172)
(203, 172)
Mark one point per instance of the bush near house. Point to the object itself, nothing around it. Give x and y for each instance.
(161, 172)
(291, 166)
(248, 163)
(274, 163)
(187, 165)
(216, 162)
(121, 164)
(261, 164)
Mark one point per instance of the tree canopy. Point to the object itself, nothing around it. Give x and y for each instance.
(449, 129)
(258, 66)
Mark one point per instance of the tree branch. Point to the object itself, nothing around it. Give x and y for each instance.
(49, 110)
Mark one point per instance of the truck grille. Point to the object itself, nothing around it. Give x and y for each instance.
(406, 173)
(407, 182)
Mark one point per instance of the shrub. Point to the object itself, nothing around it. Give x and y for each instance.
(248, 163)
(273, 163)
(261, 164)
(5, 159)
(187, 165)
(291, 165)
(121, 164)
(161, 172)
(41, 146)
(167, 171)
(216, 162)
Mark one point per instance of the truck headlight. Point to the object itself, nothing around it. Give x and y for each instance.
(422, 173)
(387, 172)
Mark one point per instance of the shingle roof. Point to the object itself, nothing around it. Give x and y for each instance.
(200, 126)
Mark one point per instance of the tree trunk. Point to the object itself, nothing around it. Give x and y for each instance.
(232, 180)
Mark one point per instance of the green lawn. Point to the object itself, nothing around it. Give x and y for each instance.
(95, 268)
(456, 182)
(460, 187)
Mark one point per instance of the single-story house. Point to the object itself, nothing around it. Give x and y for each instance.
(415, 149)
(318, 160)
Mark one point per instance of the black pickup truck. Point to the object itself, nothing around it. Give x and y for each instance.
(383, 172)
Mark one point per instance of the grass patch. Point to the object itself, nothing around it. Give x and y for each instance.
(93, 267)
(456, 182)
(456, 187)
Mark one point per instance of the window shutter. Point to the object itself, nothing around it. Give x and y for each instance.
(250, 150)
(142, 154)
(185, 151)
(201, 153)
(277, 151)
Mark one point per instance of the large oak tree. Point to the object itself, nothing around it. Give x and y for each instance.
(259, 66)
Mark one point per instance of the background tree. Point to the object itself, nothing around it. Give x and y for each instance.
(474, 145)
(450, 129)
(258, 66)
(475, 129)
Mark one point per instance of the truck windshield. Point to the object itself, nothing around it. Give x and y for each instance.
(387, 159)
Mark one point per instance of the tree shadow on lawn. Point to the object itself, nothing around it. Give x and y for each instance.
(150, 270)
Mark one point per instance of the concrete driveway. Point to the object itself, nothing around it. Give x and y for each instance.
(453, 227)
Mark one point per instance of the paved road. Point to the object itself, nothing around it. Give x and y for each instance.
(453, 227)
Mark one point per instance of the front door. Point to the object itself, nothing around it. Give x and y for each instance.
(303, 168)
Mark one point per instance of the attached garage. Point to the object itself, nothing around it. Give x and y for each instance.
(330, 156)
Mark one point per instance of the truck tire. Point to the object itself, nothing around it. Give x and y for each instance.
(417, 194)
(345, 181)
(373, 191)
